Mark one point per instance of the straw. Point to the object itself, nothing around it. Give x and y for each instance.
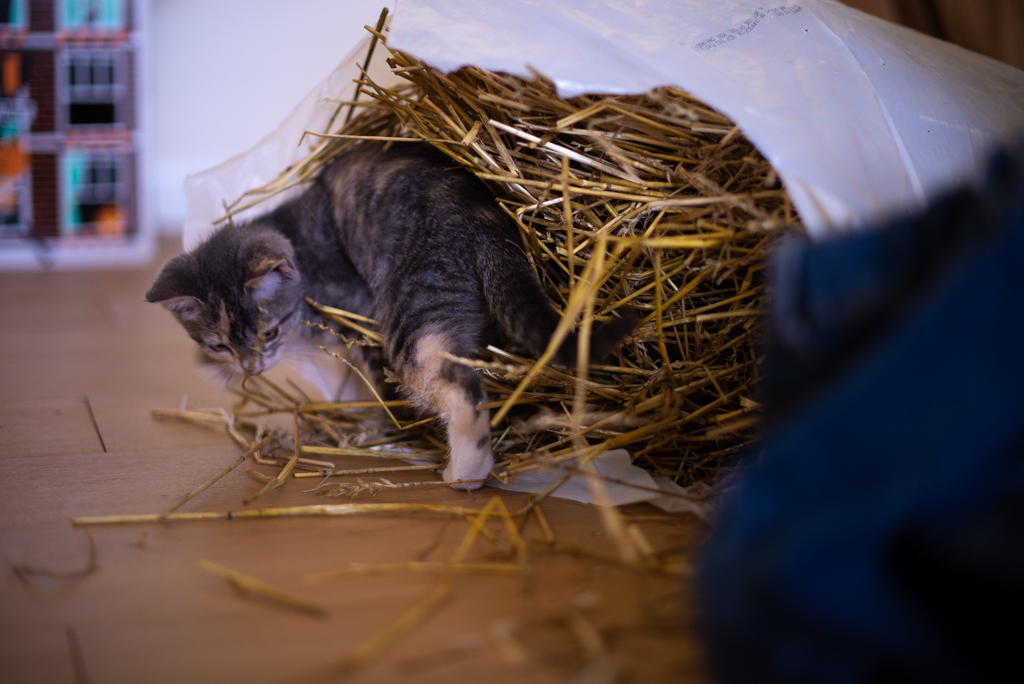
(378, 644)
(251, 585)
(653, 206)
(330, 510)
(203, 487)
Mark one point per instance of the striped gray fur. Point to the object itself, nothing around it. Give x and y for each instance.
(399, 234)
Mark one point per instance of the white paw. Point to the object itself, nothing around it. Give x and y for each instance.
(465, 470)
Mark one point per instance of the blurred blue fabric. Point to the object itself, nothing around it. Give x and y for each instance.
(879, 537)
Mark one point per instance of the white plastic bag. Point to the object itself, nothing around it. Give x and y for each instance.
(208, 193)
(860, 118)
(625, 483)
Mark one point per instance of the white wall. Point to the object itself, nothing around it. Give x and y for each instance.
(221, 74)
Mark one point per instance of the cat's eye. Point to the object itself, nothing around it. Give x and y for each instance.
(271, 333)
(217, 347)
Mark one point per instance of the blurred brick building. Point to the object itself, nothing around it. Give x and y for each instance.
(67, 118)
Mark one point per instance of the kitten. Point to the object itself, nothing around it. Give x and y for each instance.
(398, 234)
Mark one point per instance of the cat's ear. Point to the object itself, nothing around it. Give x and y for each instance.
(264, 278)
(171, 290)
(186, 308)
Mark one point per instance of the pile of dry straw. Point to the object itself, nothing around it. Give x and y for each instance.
(654, 204)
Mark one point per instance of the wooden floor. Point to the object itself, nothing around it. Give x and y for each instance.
(83, 360)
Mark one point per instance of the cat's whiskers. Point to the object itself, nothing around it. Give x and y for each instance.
(220, 376)
(305, 365)
(205, 376)
(301, 353)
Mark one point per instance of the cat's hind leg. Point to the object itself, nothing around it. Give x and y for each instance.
(452, 391)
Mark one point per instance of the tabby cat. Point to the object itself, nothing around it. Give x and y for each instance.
(396, 234)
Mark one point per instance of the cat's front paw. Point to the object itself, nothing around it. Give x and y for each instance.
(468, 473)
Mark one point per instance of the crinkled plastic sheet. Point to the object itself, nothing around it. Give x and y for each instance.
(861, 118)
(625, 482)
(208, 193)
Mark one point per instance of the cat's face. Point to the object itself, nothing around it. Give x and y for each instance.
(238, 295)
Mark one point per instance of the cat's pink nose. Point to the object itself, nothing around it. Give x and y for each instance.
(254, 366)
